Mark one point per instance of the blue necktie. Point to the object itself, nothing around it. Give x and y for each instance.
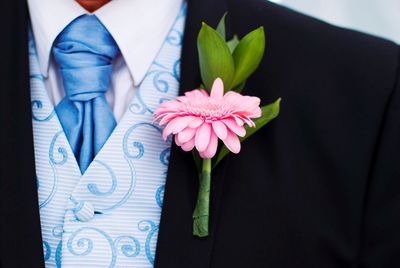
(84, 51)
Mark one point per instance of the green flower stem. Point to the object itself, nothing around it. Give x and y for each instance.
(201, 211)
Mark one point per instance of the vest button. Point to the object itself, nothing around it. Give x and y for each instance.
(84, 211)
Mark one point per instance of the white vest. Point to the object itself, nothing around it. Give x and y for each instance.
(109, 216)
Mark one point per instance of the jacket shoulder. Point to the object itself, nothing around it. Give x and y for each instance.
(299, 42)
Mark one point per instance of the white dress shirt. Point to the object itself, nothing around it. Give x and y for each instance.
(138, 27)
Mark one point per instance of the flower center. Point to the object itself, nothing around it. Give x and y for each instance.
(208, 110)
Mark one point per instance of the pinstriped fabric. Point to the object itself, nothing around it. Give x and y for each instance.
(109, 216)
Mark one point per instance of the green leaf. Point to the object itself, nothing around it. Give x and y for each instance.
(239, 87)
(247, 55)
(269, 112)
(221, 26)
(215, 57)
(233, 43)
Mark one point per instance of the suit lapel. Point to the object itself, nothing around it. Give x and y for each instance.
(21, 244)
(176, 245)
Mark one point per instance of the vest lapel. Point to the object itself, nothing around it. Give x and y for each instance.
(21, 244)
(176, 246)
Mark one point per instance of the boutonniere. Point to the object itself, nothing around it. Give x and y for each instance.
(214, 119)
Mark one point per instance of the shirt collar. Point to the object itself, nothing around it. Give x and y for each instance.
(138, 27)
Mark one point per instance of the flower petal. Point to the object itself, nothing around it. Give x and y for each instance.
(220, 129)
(211, 148)
(177, 124)
(205, 93)
(233, 126)
(169, 105)
(177, 140)
(182, 123)
(199, 94)
(197, 121)
(188, 146)
(249, 103)
(232, 142)
(248, 121)
(233, 98)
(190, 94)
(181, 98)
(186, 134)
(217, 89)
(256, 113)
(202, 138)
(239, 121)
(167, 118)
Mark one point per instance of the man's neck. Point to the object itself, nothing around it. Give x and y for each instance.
(92, 5)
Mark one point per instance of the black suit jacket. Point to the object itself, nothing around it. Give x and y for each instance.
(318, 187)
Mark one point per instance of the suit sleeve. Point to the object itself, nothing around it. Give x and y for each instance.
(380, 235)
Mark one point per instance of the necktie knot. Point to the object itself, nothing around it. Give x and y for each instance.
(84, 51)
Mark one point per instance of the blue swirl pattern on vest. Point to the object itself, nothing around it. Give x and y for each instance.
(84, 51)
(109, 215)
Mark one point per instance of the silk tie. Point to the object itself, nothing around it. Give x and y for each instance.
(84, 51)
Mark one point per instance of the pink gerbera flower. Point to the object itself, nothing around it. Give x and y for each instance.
(198, 119)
